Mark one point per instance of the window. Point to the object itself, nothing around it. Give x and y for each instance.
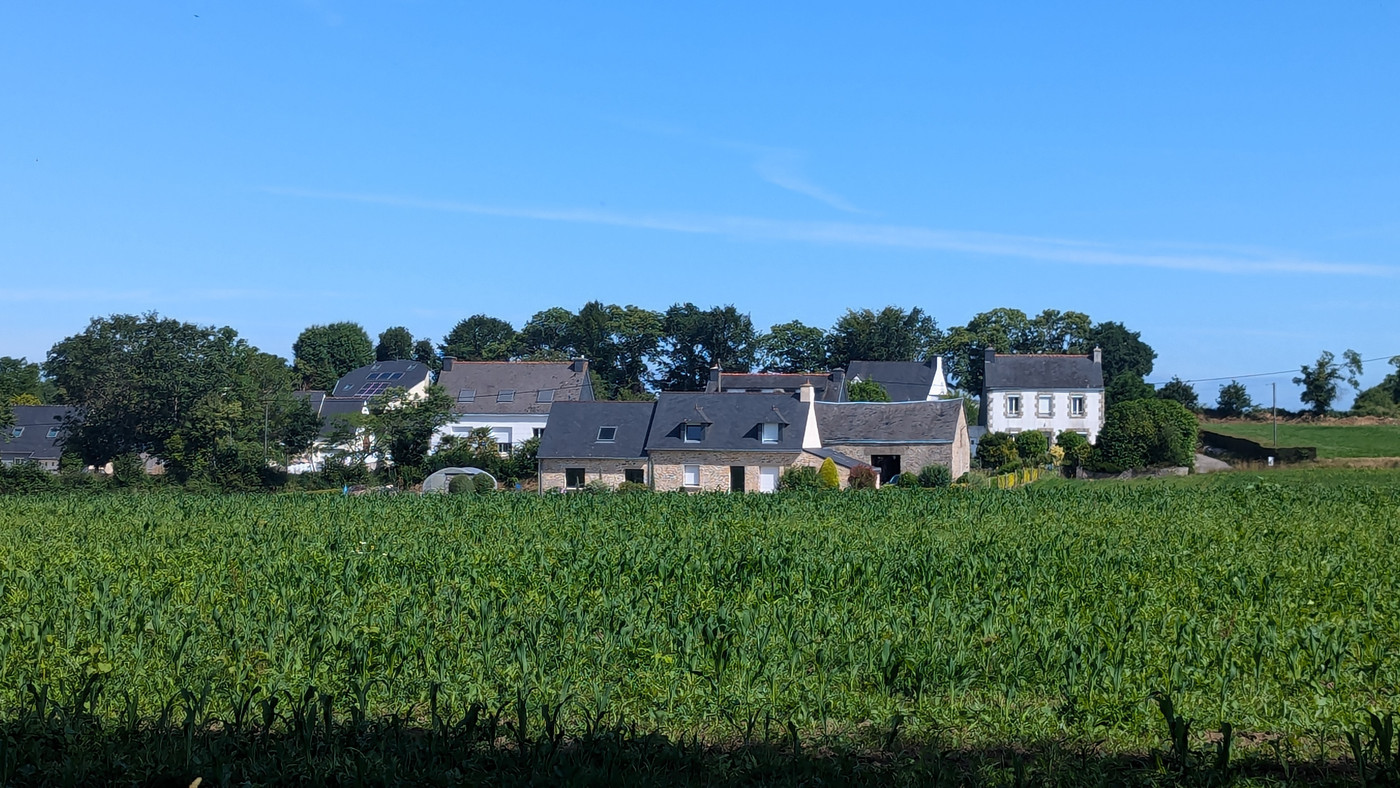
(770, 433)
(1076, 406)
(607, 434)
(886, 464)
(393, 376)
(1013, 405)
(690, 475)
(573, 478)
(634, 475)
(505, 395)
(545, 396)
(537, 432)
(53, 432)
(466, 395)
(503, 448)
(694, 433)
(1045, 405)
(736, 478)
(16, 432)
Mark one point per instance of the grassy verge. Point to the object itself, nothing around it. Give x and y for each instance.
(1331, 440)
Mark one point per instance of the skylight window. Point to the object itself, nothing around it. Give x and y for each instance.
(545, 396)
(506, 395)
(466, 395)
(393, 375)
(16, 432)
(53, 432)
(607, 434)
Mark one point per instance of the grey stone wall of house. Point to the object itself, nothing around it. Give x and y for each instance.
(914, 456)
(668, 467)
(611, 472)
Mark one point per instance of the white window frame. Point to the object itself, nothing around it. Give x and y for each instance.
(612, 437)
(1077, 407)
(1048, 400)
(685, 433)
(53, 432)
(1013, 413)
(772, 432)
(690, 475)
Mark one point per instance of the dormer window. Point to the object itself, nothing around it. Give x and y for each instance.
(607, 434)
(505, 395)
(694, 433)
(771, 432)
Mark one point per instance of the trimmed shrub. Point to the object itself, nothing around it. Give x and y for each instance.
(461, 484)
(1076, 448)
(997, 449)
(1146, 433)
(935, 476)
(800, 477)
(1032, 446)
(828, 475)
(483, 483)
(908, 480)
(863, 477)
(628, 488)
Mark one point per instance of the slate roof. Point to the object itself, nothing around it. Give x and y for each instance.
(933, 421)
(328, 408)
(841, 460)
(904, 381)
(573, 431)
(1033, 372)
(476, 386)
(34, 423)
(828, 387)
(732, 422)
(376, 378)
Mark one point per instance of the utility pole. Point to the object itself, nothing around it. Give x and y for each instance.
(1273, 410)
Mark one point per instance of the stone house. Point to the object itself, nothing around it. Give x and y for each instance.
(898, 437)
(595, 441)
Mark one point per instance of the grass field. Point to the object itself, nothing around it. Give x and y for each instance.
(1331, 440)
(965, 620)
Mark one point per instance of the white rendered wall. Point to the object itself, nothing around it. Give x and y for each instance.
(519, 427)
(1060, 419)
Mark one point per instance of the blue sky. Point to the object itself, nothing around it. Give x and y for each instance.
(1224, 178)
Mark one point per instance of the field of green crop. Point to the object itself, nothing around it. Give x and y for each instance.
(1331, 440)
(970, 617)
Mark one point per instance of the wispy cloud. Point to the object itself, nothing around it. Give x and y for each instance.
(57, 295)
(873, 235)
(782, 168)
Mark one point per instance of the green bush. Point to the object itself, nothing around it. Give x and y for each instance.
(483, 483)
(1146, 433)
(1077, 448)
(829, 477)
(908, 480)
(800, 477)
(628, 488)
(863, 477)
(997, 449)
(1032, 445)
(461, 484)
(935, 476)
(26, 477)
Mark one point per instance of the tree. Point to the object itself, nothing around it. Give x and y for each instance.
(395, 344)
(548, 335)
(891, 334)
(323, 354)
(1031, 446)
(997, 450)
(1076, 448)
(1053, 331)
(401, 427)
(1233, 400)
(480, 338)
(1179, 390)
(425, 353)
(793, 347)
(1319, 381)
(935, 476)
(829, 477)
(1382, 399)
(693, 340)
(963, 348)
(1146, 433)
(1123, 350)
(867, 391)
(1127, 386)
(19, 377)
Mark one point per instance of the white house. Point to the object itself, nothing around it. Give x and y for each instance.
(1049, 393)
(903, 381)
(351, 395)
(511, 398)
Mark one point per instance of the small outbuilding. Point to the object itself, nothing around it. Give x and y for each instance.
(439, 481)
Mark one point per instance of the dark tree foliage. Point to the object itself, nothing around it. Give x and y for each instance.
(20, 378)
(1179, 390)
(800, 477)
(1320, 381)
(401, 427)
(1008, 330)
(867, 391)
(997, 450)
(1032, 446)
(548, 335)
(395, 344)
(1233, 400)
(1123, 350)
(1146, 433)
(694, 339)
(1382, 399)
(1076, 447)
(892, 334)
(618, 342)
(793, 347)
(323, 354)
(1127, 386)
(481, 338)
(935, 476)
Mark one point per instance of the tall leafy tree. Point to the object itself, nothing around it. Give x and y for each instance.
(19, 377)
(1053, 331)
(548, 335)
(480, 338)
(1320, 381)
(323, 354)
(401, 427)
(892, 334)
(793, 347)
(1127, 387)
(395, 344)
(1123, 350)
(636, 336)
(1004, 330)
(694, 339)
(425, 353)
(1233, 400)
(1179, 390)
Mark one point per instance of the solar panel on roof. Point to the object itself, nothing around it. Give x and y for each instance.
(371, 389)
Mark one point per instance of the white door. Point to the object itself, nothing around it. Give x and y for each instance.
(767, 479)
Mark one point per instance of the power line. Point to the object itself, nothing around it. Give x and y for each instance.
(1265, 374)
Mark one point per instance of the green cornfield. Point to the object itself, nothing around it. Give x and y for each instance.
(1053, 611)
